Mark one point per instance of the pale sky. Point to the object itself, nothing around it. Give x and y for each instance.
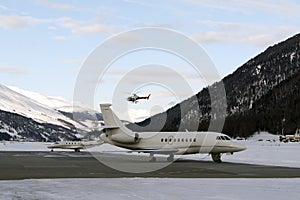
(44, 43)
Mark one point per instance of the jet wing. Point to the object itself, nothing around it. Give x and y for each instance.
(59, 146)
(154, 151)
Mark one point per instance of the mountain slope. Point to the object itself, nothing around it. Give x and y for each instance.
(83, 115)
(14, 102)
(16, 127)
(253, 100)
(36, 117)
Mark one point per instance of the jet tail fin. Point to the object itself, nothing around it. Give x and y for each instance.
(110, 119)
(115, 129)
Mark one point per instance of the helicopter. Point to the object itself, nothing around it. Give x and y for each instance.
(134, 98)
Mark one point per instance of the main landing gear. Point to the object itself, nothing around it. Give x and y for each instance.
(153, 159)
(216, 157)
(170, 158)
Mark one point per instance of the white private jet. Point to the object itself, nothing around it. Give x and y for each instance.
(75, 145)
(168, 143)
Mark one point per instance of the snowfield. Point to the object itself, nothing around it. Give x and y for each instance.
(151, 188)
(263, 149)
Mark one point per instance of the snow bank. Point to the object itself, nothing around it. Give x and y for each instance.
(152, 188)
(263, 136)
(23, 146)
(268, 153)
(42, 146)
(261, 153)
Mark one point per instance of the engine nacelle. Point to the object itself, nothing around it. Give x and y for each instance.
(125, 139)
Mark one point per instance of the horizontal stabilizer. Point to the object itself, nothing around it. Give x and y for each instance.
(110, 127)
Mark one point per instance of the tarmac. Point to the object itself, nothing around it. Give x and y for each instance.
(47, 165)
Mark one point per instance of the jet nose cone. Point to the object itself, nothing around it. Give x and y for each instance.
(239, 147)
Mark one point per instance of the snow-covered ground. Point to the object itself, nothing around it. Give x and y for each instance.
(268, 153)
(264, 149)
(151, 188)
(23, 146)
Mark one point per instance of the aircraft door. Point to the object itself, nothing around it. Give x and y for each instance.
(170, 140)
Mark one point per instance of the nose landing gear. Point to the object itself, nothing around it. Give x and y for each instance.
(170, 158)
(216, 157)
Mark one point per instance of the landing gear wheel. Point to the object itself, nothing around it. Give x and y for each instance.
(152, 158)
(216, 157)
(170, 158)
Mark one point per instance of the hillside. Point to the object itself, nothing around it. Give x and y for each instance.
(262, 94)
(33, 116)
(17, 127)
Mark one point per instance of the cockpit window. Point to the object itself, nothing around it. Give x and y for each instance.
(227, 138)
(223, 138)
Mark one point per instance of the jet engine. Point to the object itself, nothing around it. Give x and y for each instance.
(125, 139)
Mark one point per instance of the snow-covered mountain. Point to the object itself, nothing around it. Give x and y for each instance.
(262, 95)
(57, 103)
(83, 114)
(43, 111)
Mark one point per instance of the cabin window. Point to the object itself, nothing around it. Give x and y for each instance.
(186, 140)
(166, 139)
(178, 140)
(182, 139)
(174, 140)
(162, 139)
(194, 139)
(170, 139)
(191, 139)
